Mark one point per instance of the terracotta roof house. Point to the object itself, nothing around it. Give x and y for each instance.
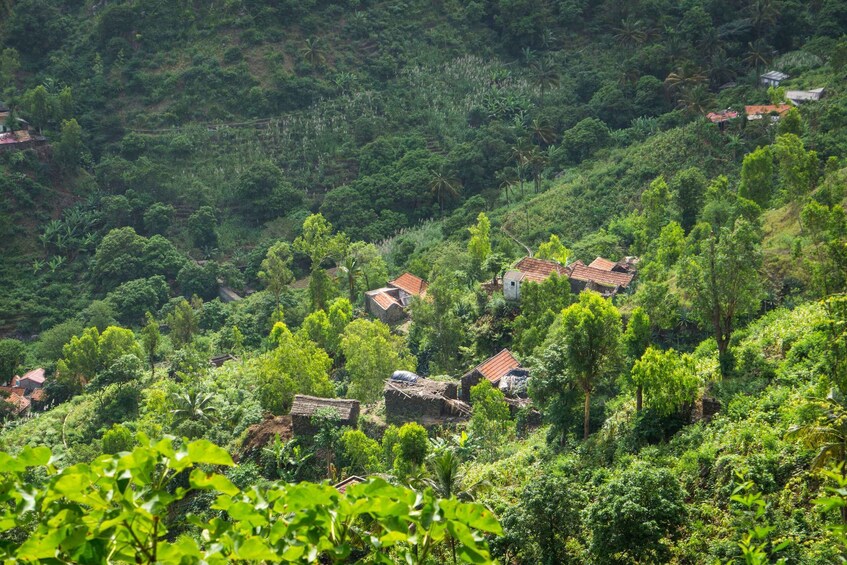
(410, 284)
(20, 402)
(758, 112)
(304, 407)
(601, 275)
(385, 305)
(32, 379)
(797, 97)
(529, 269)
(494, 368)
(722, 116)
(389, 303)
(772, 78)
(13, 390)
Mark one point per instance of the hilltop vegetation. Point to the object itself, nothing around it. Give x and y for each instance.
(226, 180)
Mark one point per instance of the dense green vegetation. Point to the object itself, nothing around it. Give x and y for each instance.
(302, 153)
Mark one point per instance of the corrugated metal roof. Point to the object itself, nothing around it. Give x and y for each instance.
(410, 283)
(497, 367)
(538, 270)
(775, 75)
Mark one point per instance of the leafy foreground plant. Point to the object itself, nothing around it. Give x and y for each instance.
(115, 509)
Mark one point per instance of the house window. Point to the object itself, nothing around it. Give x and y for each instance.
(512, 283)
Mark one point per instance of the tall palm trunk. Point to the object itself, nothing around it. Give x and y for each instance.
(639, 398)
(586, 422)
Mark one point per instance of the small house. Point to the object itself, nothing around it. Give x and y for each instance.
(529, 269)
(494, 369)
(759, 112)
(722, 118)
(602, 275)
(798, 97)
(20, 403)
(21, 138)
(384, 304)
(411, 398)
(304, 407)
(409, 285)
(388, 304)
(31, 380)
(772, 78)
(38, 400)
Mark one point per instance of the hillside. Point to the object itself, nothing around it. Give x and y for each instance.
(526, 282)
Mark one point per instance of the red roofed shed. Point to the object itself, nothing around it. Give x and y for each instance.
(494, 368)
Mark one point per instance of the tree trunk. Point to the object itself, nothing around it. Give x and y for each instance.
(639, 398)
(586, 422)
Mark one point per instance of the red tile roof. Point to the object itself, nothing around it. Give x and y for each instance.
(19, 400)
(38, 395)
(766, 109)
(722, 116)
(495, 368)
(36, 375)
(13, 390)
(580, 272)
(384, 300)
(538, 270)
(602, 264)
(410, 283)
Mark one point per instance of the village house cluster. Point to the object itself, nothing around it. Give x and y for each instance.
(771, 112)
(26, 393)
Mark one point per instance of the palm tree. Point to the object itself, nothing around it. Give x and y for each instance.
(195, 406)
(351, 269)
(545, 76)
(536, 160)
(758, 55)
(763, 14)
(630, 33)
(521, 154)
(685, 77)
(441, 185)
(448, 481)
(695, 99)
(541, 133)
(721, 68)
(507, 177)
(313, 52)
